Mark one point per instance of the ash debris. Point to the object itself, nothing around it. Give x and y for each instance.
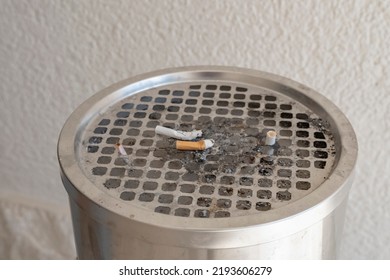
(237, 145)
(321, 125)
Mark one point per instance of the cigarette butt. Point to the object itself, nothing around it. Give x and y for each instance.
(121, 149)
(178, 134)
(270, 138)
(194, 146)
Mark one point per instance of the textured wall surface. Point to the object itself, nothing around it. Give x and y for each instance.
(55, 54)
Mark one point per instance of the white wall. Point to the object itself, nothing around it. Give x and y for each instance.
(55, 54)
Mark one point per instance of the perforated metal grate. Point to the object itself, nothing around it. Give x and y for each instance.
(238, 176)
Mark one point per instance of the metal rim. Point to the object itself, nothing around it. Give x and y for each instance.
(324, 198)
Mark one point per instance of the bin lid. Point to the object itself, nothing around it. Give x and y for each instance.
(314, 153)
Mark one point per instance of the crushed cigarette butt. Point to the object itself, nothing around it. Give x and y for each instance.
(121, 149)
(178, 134)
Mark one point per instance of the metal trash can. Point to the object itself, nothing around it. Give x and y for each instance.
(240, 199)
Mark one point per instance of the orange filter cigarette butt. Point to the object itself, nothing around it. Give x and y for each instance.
(194, 146)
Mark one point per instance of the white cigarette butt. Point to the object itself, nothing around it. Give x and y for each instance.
(177, 134)
(270, 138)
(121, 149)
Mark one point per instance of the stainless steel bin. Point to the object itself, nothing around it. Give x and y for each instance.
(240, 199)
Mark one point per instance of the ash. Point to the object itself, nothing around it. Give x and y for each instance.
(236, 144)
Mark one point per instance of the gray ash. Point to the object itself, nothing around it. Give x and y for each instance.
(200, 156)
(321, 125)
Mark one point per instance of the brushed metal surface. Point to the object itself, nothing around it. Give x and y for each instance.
(109, 227)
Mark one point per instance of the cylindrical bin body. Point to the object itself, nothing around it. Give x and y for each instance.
(240, 199)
